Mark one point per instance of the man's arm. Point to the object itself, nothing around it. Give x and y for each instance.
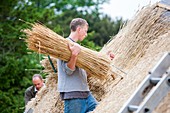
(75, 50)
(27, 96)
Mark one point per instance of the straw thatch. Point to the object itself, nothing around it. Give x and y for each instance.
(43, 40)
(137, 47)
(47, 99)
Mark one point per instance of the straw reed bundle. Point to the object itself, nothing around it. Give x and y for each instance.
(43, 40)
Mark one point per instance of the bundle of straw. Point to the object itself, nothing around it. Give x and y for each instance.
(43, 40)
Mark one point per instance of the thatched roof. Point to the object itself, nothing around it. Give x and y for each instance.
(137, 48)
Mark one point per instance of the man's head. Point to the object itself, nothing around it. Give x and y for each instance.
(37, 80)
(80, 26)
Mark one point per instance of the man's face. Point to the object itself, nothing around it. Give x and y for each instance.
(38, 83)
(83, 32)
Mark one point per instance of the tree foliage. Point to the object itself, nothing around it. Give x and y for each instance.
(16, 65)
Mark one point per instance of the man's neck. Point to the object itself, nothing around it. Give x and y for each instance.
(73, 36)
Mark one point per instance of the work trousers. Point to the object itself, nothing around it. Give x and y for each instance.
(80, 105)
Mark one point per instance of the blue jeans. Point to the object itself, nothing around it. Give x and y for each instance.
(84, 105)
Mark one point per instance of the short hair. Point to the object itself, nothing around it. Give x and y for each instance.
(77, 22)
(37, 75)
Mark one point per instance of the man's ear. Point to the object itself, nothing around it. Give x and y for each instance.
(78, 28)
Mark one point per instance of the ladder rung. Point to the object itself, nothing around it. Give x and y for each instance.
(132, 108)
(154, 80)
(168, 80)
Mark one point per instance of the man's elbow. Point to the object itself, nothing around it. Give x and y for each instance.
(69, 73)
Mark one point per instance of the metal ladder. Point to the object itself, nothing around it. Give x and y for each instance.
(152, 89)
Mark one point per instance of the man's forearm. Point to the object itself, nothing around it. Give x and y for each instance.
(72, 62)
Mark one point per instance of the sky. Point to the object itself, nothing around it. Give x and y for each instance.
(125, 8)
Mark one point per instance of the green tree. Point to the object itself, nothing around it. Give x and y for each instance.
(14, 60)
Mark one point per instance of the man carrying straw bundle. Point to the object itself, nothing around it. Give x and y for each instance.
(72, 80)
